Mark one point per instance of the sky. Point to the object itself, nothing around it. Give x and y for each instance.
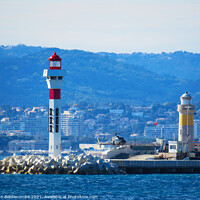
(120, 26)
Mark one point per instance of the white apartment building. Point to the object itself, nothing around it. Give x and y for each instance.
(196, 128)
(165, 131)
(72, 123)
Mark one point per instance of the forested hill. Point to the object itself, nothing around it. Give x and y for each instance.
(135, 78)
(181, 64)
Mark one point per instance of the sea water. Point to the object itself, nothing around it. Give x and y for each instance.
(152, 186)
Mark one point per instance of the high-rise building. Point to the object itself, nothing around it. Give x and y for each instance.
(163, 131)
(186, 121)
(64, 121)
(71, 123)
(196, 128)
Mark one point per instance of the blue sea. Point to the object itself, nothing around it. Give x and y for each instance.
(154, 186)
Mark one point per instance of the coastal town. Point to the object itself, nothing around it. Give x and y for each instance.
(26, 128)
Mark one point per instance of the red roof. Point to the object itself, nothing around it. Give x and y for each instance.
(55, 57)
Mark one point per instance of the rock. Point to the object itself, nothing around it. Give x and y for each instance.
(37, 164)
(77, 171)
(9, 170)
(50, 162)
(86, 168)
(12, 163)
(77, 164)
(19, 160)
(4, 168)
(99, 162)
(32, 170)
(40, 170)
(5, 163)
(115, 168)
(26, 168)
(73, 168)
(64, 165)
(60, 170)
(66, 170)
(90, 157)
(29, 162)
(59, 159)
(66, 158)
(48, 170)
(21, 172)
(81, 159)
(71, 164)
(6, 159)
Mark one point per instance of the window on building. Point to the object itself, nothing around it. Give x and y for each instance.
(60, 78)
(53, 77)
(57, 128)
(56, 146)
(51, 128)
(172, 146)
(50, 111)
(54, 63)
(51, 120)
(57, 120)
(57, 111)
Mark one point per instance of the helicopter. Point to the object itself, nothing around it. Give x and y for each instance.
(116, 141)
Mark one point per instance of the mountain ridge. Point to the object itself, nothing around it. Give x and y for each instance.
(95, 77)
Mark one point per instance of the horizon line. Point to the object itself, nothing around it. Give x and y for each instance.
(73, 49)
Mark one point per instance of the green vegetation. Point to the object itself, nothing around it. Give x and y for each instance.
(98, 77)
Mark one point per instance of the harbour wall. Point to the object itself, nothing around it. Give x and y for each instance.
(158, 166)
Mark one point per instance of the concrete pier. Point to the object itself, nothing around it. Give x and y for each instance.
(158, 166)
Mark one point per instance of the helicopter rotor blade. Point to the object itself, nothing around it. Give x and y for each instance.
(116, 133)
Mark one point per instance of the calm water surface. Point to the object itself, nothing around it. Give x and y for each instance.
(154, 186)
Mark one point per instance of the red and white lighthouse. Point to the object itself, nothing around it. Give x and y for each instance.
(54, 81)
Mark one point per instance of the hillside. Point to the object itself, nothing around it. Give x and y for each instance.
(95, 77)
(181, 64)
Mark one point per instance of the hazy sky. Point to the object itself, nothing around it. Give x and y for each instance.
(102, 25)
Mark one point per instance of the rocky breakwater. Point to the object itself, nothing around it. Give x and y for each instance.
(72, 164)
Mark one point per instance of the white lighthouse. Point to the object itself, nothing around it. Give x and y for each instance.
(54, 81)
(186, 121)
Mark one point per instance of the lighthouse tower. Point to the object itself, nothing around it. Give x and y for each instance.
(186, 121)
(54, 78)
